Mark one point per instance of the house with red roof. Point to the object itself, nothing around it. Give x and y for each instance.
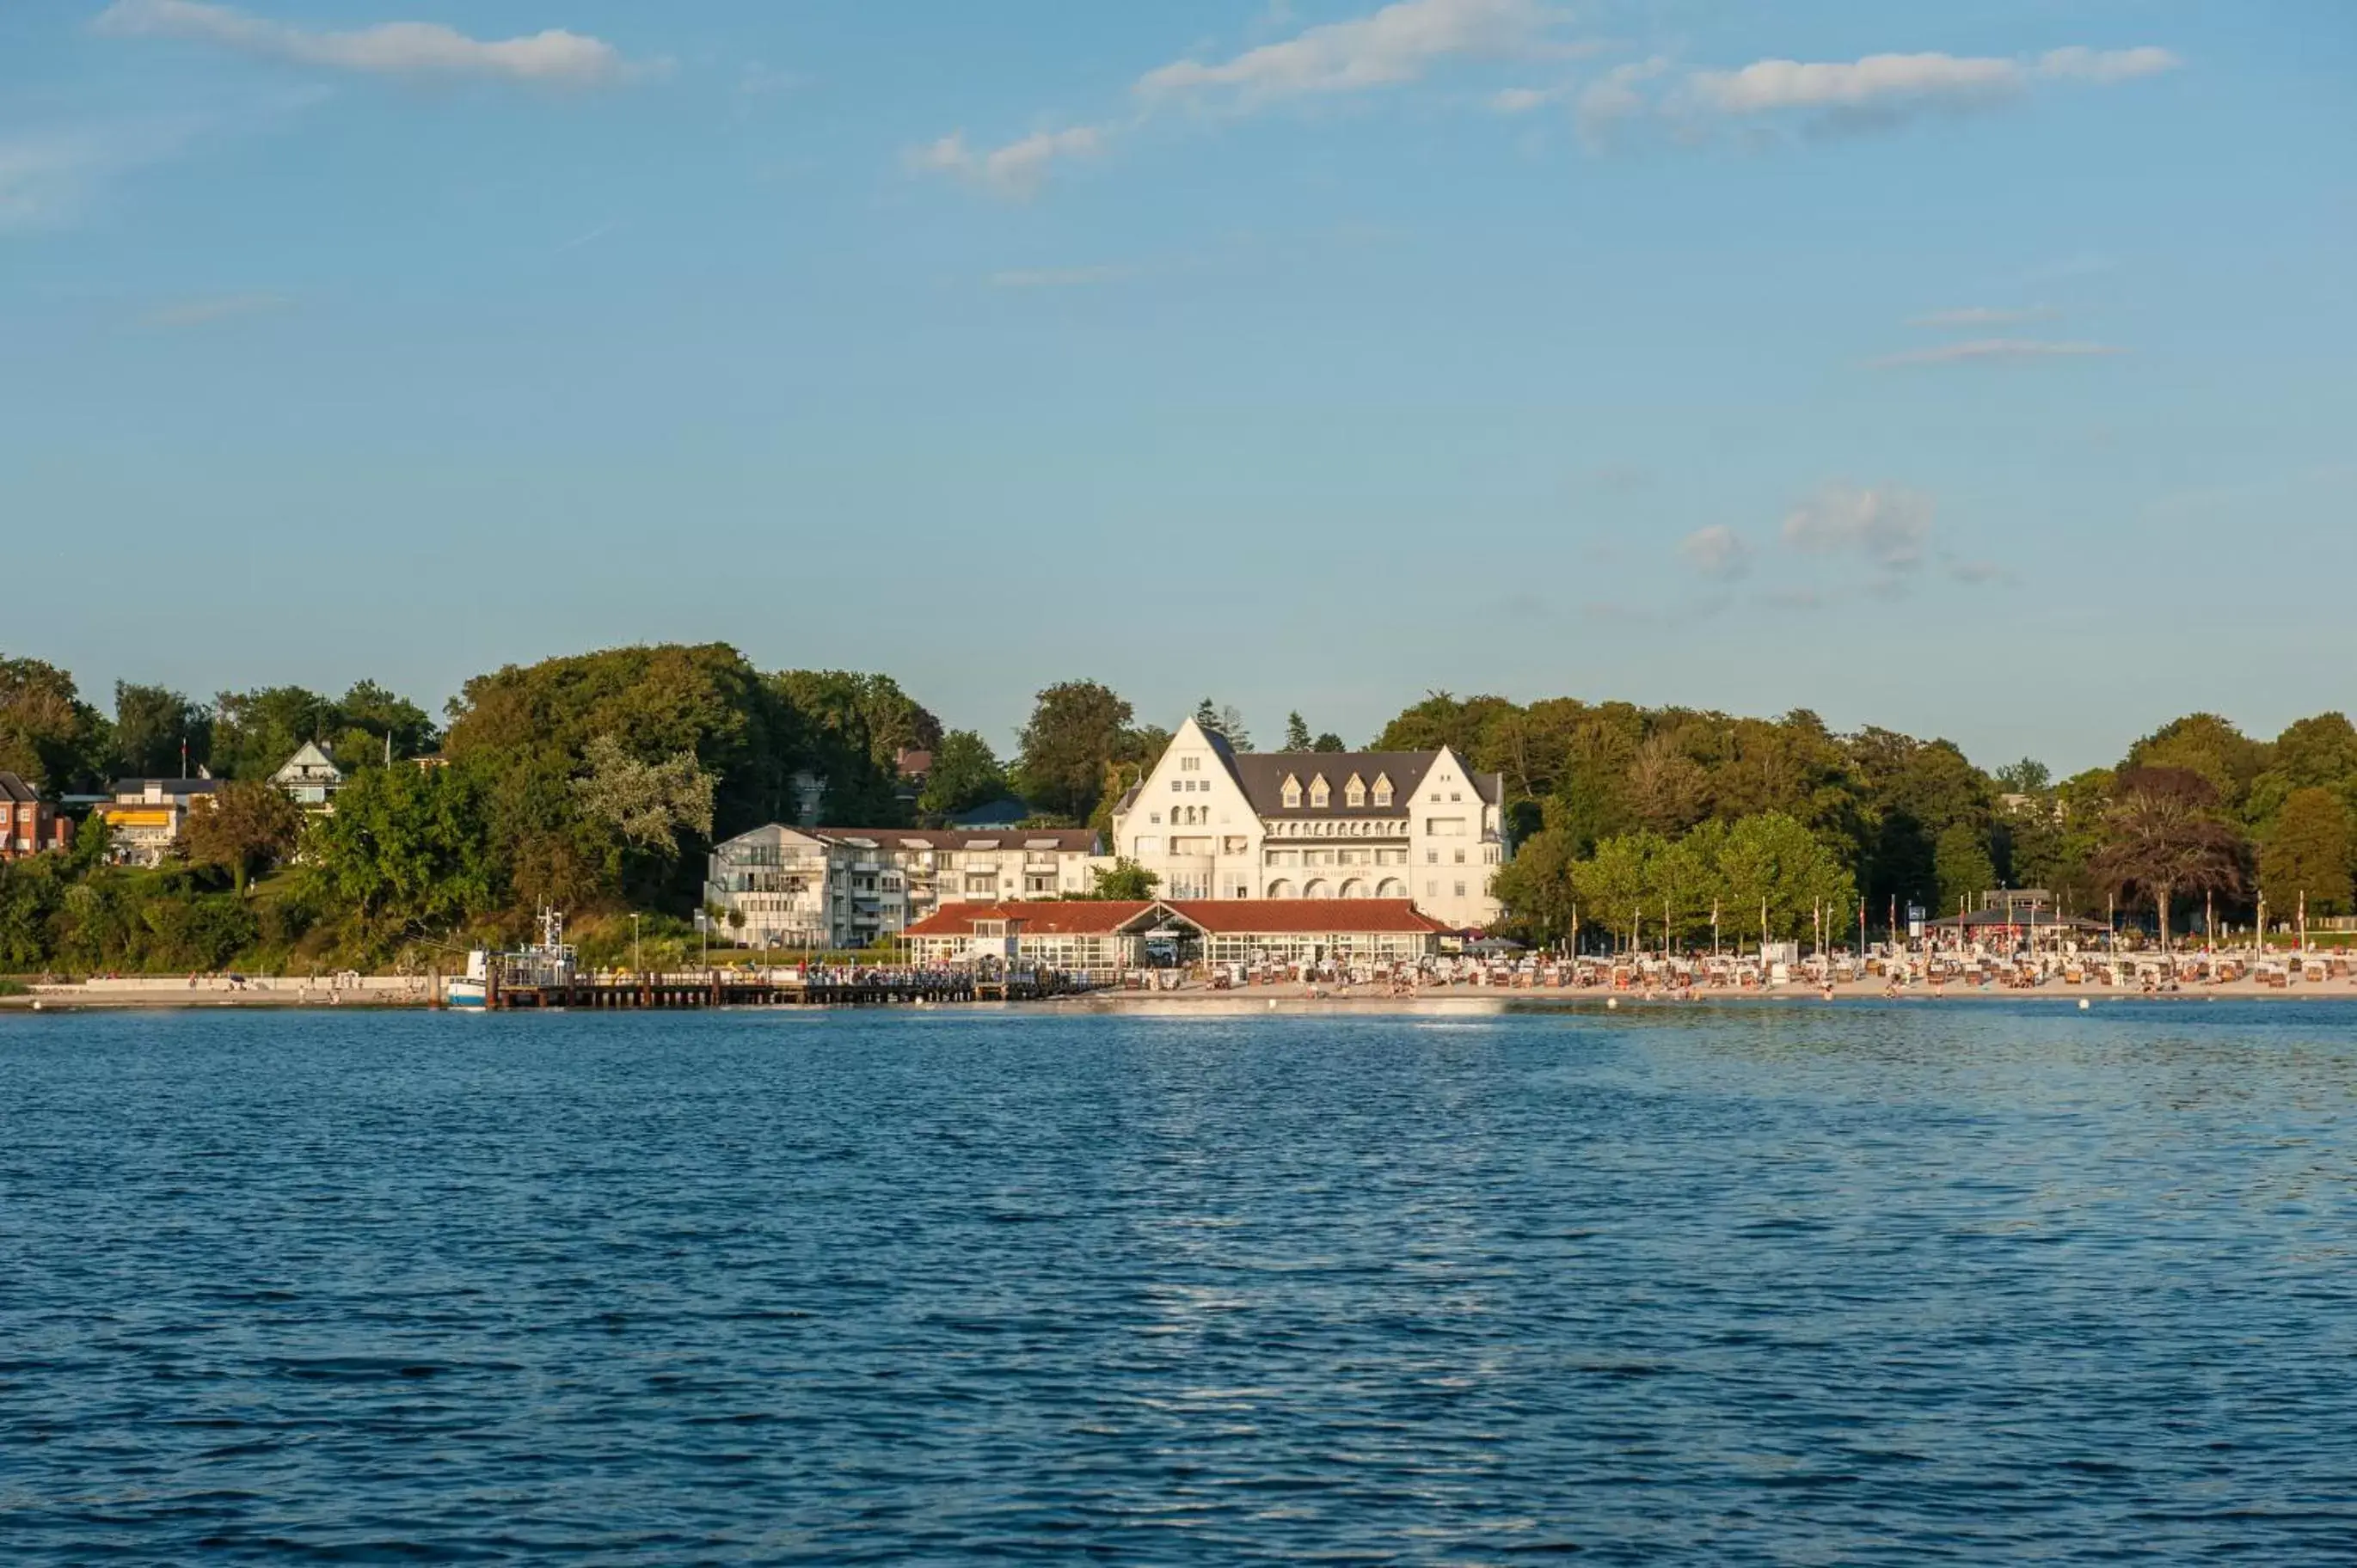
(29, 824)
(1112, 934)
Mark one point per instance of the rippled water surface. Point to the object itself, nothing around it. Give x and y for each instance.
(1992, 1284)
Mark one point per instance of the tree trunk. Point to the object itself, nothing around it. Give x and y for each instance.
(2160, 902)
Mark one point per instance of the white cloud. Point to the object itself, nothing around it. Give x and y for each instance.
(390, 48)
(219, 307)
(1716, 552)
(48, 178)
(1875, 81)
(1059, 277)
(1877, 89)
(1885, 525)
(2106, 65)
(1017, 169)
(1980, 349)
(1523, 99)
(1395, 45)
(1982, 315)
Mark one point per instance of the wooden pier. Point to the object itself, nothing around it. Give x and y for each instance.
(780, 988)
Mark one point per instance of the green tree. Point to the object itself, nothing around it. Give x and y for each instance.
(1442, 719)
(1537, 890)
(647, 803)
(368, 715)
(1297, 733)
(152, 725)
(48, 734)
(1328, 741)
(1125, 879)
(2318, 753)
(404, 853)
(525, 721)
(854, 727)
(2163, 836)
(1667, 790)
(1076, 729)
(2027, 777)
(249, 825)
(964, 775)
(2207, 745)
(1962, 867)
(1224, 722)
(1771, 861)
(1620, 883)
(2307, 853)
(255, 732)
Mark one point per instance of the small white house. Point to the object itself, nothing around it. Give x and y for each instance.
(310, 779)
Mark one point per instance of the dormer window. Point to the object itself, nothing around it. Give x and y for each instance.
(1318, 793)
(1292, 793)
(1354, 793)
(1383, 790)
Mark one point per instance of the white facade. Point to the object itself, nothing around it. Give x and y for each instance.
(310, 779)
(146, 817)
(1213, 822)
(847, 887)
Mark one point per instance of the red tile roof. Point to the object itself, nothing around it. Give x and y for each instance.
(1307, 917)
(1035, 918)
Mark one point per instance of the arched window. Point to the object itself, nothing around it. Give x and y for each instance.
(1392, 887)
(1319, 888)
(1355, 792)
(1280, 888)
(1354, 889)
(1292, 793)
(1318, 793)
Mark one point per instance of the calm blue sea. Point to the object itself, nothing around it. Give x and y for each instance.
(1982, 1284)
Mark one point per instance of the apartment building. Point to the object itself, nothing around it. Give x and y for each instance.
(846, 887)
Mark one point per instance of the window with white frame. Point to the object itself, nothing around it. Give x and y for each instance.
(1318, 793)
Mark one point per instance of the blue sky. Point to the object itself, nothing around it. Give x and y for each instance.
(1980, 370)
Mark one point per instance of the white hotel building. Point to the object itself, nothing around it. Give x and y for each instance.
(1214, 822)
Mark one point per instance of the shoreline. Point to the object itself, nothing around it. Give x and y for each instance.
(1291, 997)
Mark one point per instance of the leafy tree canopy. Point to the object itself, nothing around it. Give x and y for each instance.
(964, 775)
(2306, 855)
(247, 825)
(1076, 729)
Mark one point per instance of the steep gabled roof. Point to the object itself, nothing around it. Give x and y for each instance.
(307, 763)
(1262, 775)
(12, 788)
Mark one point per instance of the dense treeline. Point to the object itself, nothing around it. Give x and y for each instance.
(597, 783)
(591, 782)
(2195, 809)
